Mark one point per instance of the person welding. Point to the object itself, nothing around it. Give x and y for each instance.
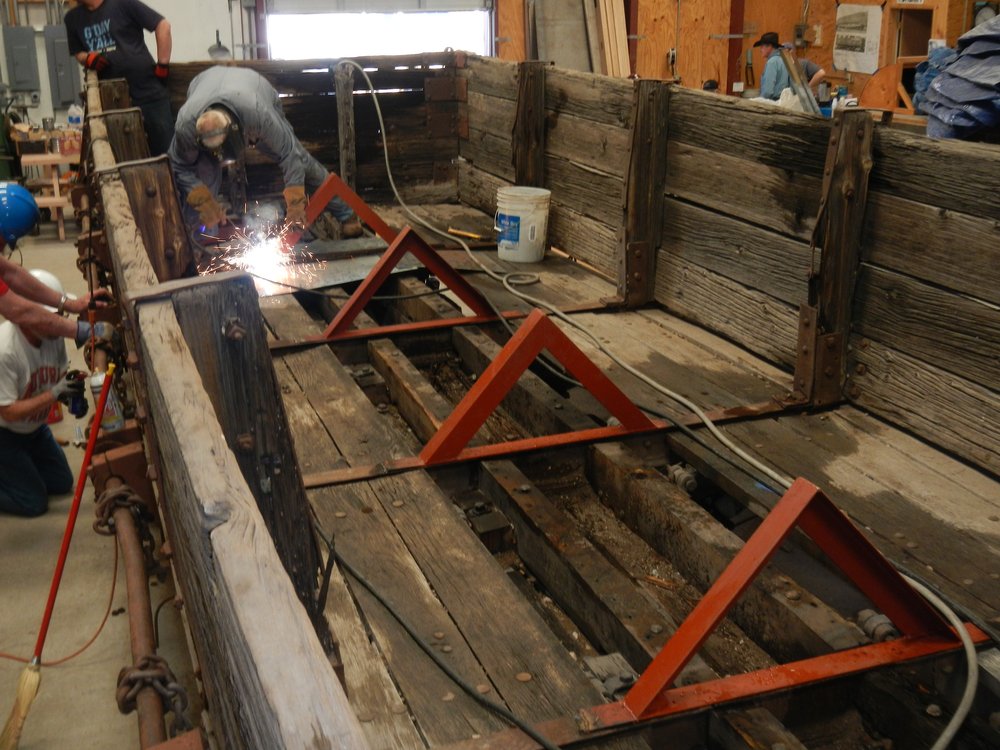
(229, 110)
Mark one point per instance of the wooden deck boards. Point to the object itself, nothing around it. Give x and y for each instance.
(493, 636)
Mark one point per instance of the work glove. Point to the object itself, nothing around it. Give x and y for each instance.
(68, 387)
(102, 330)
(209, 210)
(295, 202)
(161, 71)
(96, 61)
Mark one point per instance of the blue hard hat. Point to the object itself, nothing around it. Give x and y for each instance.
(18, 212)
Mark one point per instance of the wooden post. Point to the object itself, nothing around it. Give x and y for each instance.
(114, 94)
(644, 185)
(344, 82)
(825, 321)
(126, 134)
(150, 188)
(528, 135)
(235, 365)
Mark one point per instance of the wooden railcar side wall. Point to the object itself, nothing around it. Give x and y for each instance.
(743, 188)
(421, 123)
(925, 349)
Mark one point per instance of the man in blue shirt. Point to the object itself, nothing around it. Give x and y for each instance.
(775, 77)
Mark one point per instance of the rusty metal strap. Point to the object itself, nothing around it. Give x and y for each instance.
(152, 671)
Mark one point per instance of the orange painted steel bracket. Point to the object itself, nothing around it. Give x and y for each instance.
(334, 187)
(924, 632)
(537, 333)
(407, 241)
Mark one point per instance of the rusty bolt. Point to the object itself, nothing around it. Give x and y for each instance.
(151, 190)
(854, 392)
(831, 343)
(245, 442)
(860, 369)
(828, 371)
(234, 329)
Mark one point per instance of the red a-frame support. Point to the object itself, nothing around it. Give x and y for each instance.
(924, 632)
(536, 334)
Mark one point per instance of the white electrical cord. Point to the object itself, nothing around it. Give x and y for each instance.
(521, 278)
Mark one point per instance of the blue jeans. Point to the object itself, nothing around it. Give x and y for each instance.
(32, 467)
(158, 122)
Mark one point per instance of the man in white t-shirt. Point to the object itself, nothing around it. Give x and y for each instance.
(32, 378)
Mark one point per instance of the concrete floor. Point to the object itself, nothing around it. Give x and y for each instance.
(75, 706)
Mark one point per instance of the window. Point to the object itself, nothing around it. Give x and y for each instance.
(335, 35)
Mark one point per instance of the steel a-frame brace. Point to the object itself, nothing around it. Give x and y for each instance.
(924, 632)
(449, 444)
(401, 243)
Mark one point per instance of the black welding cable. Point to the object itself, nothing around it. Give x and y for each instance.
(496, 708)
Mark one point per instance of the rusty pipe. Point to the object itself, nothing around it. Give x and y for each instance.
(149, 704)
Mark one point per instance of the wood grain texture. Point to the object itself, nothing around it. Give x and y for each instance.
(235, 573)
(775, 198)
(955, 175)
(500, 627)
(957, 251)
(754, 257)
(763, 324)
(598, 98)
(953, 412)
(758, 132)
(528, 133)
(951, 332)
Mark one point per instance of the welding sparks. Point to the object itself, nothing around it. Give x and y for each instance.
(262, 251)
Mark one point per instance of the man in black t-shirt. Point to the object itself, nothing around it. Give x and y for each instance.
(108, 36)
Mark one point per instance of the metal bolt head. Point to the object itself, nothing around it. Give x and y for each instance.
(234, 329)
(245, 441)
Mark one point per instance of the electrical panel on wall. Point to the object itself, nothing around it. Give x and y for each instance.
(64, 70)
(22, 61)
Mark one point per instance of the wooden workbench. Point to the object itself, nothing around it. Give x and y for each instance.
(49, 164)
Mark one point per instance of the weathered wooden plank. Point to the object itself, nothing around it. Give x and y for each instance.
(491, 114)
(369, 685)
(952, 332)
(234, 573)
(344, 84)
(774, 198)
(234, 361)
(761, 133)
(643, 194)
(955, 175)
(765, 325)
(599, 145)
(528, 132)
(150, 189)
(948, 410)
(756, 258)
(587, 191)
(956, 562)
(788, 627)
(427, 523)
(954, 250)
(488, 152)
(592, 97)
(491, 76)
(126, 133)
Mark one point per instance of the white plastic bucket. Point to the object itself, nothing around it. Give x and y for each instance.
(522, 219)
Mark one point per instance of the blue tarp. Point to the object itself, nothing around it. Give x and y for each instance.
(959, 90)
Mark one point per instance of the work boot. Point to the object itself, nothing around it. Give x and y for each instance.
(351, 228)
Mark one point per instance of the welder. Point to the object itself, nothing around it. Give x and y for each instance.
(227, 111)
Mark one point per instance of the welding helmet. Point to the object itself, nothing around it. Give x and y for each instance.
(50, 280)
(213, 127)
(18, 212)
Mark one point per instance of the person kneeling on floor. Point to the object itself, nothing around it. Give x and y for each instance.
(33, 376)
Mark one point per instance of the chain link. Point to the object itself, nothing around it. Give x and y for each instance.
(153, 671)
(112, 499)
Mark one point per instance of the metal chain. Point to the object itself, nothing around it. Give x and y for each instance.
(109, 501)
(154, 672)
